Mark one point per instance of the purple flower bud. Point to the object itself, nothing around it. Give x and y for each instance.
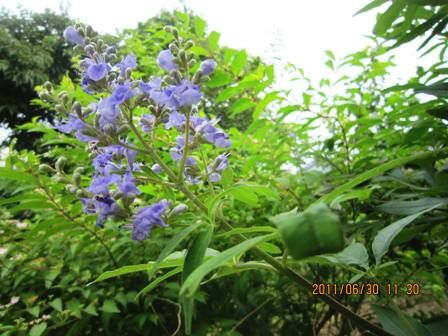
(72, 36)
(147, 218)
(215, 177)
(208, 66)
(179, 209)
(166, 60)
(156, 168)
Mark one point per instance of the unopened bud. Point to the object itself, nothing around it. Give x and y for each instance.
(168, 29)
(188, 44)
(128, 73)
(81, 31)
(79, 170)
(175, 33)
(176, 75)
(89, 49)
(156, 168)
(72, 189)
(60, 109)
(174, 48)
(120, 80)
(89, 30)
(77, 179)
(192, 63)
(80, 193)
(87, 40)
(60, 163)
(77, 108)
(44, 168)
(111, 58)
(60, 179)
(48, 86)
(153, 109)
(44, 95)
(182, 55)
(197, 77)
(179, 209)
(123, 129)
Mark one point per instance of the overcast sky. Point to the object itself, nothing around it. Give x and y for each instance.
(300, 29)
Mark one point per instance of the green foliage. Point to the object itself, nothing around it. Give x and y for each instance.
(363, 166)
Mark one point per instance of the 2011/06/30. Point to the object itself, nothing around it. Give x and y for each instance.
(366, 289)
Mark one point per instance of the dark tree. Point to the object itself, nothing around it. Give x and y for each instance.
(32, 51)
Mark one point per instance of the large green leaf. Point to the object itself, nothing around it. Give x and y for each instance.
(191, 284)
(384, 237)
(385, 20)
(396, 207)
(172, 244)
(398, 324)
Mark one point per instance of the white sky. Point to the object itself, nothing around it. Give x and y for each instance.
(303, 28)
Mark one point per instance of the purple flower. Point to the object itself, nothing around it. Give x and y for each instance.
(105, 207)
(72, 36)
(129, 62)
(103, 163)
(147, 122)
(175, 120)
(166, 60)
(220, 163)
(208, 66)
(121, 93)
(96, 71)
(73, 124)
(108, 113)
(147, 218)
(186, 93)
(100, 184)
(153, 84)
(219, 139)
(127, 185)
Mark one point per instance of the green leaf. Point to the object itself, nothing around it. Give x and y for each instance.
(171, 246)
(213, 40)
(439, 90)
(370, 6)
(241, 105)
(10, 174)
(411, 207)
(199, 26)
(384, 237)
(109, 306)
(218, 79)
(440, 112)
(252, 229)
(122, 271)
(398, 324)
(38, 329)
(191, 284)
(194, 258)
(56, 304)
(159, 280)
(239, 62)
(354, 254)
(378, 170)
(262, 104)
(269, 248)
(385, 20)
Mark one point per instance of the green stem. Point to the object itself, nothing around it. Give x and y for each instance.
(185, 151)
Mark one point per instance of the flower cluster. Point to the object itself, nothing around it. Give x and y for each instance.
(171, 102)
